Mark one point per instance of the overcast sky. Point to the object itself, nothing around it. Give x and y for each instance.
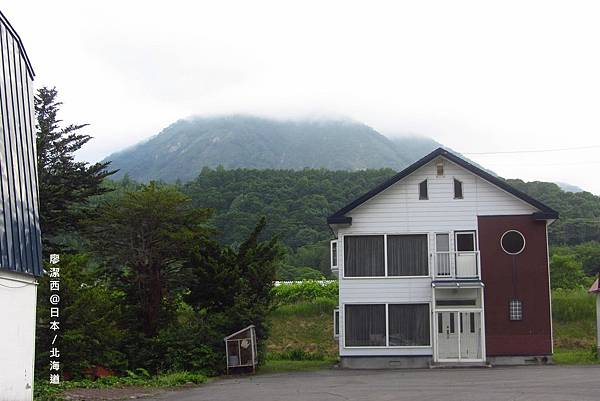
(476, 77)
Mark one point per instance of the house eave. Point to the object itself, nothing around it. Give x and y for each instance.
(339, 220)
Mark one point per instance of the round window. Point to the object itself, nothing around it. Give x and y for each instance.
(512, 242)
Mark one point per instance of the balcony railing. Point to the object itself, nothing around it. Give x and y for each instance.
(456, 265)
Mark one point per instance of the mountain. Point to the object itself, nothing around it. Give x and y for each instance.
(568, 187)
(181, 150)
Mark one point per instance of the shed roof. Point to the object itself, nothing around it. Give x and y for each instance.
(14, 33)
(545, 212)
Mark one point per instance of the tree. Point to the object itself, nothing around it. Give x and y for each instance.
(65, 184)
(566, 272)
(145, 236)
(233, 286)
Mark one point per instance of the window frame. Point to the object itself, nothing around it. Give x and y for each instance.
(510, 311)
(459, 182)
(428, 273)
(522, 236)
(384, 255)
(332, 244)
(336, 323)
(387, 326)
(385, 261)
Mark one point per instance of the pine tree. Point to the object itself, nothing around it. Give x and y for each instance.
(65, 184)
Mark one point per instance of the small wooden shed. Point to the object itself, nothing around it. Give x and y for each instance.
(241, 349)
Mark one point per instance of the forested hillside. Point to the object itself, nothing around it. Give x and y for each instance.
(296, 204)
(579, 211)
(182, 149)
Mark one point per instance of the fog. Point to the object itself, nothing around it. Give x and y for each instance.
(477, 77)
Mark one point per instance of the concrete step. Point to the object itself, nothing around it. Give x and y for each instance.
(459, 365)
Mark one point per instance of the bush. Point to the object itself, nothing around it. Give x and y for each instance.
(566, 272)
(308, 290)
(573, 305)
(89, 313)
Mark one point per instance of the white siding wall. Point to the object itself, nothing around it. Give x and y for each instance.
(398, 210)
(17, 337)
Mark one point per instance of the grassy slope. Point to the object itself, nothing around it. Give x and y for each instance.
(306, 326)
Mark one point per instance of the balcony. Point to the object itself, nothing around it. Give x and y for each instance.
(454, 265)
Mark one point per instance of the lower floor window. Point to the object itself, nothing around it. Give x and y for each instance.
(409, 324)
(367, 325)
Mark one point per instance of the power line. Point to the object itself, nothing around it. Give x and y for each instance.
(533, 150)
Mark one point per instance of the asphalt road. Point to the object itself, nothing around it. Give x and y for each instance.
(528, 383)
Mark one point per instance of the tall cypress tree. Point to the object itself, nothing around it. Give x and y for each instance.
(65, 184)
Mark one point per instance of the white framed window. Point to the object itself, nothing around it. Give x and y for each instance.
(515, 310)
(334, 254)
(364, 256)
(336, 323)
(386, 255)
(512, 242)
(387, 325)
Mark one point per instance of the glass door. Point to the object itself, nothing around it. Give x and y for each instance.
(466, 255)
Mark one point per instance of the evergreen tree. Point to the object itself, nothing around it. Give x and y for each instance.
(144, 237)
(65, 184)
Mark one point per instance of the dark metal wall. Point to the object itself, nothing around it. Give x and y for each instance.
(524, 277)
(20, 244)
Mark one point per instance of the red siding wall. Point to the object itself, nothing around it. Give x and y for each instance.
(532, 335)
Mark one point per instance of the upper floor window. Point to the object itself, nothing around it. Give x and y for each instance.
(423, 190)
(407, 255)
(512, 242)
(458, 189)
(334, 254)
(364, 256)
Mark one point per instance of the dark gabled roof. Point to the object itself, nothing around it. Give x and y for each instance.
(15, 35)
(545, 212)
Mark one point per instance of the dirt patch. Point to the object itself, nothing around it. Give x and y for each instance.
(101, 394)
(574, 343)
(120, 393)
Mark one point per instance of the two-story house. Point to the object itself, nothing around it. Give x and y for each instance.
(443, 262)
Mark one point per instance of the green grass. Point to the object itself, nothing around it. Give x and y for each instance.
(573, 305)
(276, 366)
(317, 307)
(304, 327)
(575, 357)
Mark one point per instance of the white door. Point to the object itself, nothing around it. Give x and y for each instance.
(470, 335)
(447, 335)
(466, 257)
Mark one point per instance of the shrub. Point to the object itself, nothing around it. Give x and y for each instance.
(308, 290)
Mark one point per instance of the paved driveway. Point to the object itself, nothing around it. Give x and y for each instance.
(531, 383)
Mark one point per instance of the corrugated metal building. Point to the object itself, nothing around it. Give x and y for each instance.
(20, 242)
